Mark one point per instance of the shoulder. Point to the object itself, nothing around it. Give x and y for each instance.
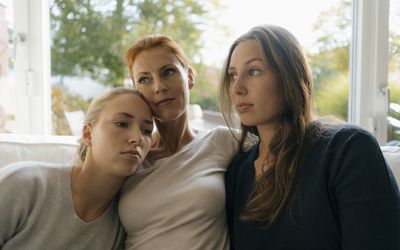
(344, 134)
(218, 141)
(27, 174)
(220, 132)
(221, 136)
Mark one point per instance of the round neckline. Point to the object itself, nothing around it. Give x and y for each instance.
(149, 166)
(71, 202)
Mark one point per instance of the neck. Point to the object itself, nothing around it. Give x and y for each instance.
(264, 159)
(266, 133)
(92, 191)
(174, 134)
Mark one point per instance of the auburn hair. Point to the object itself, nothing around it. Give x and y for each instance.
(151, 42)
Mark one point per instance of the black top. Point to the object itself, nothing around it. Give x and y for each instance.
(347, 198)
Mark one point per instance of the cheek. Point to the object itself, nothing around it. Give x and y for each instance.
(146, 144)
(230, 92)
(270, 92)
(145, 92)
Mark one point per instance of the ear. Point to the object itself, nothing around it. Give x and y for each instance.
(87, 134)
(191, 78)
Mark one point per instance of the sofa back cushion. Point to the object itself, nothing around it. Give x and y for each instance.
(392, 156)
(63, 149)
(56, 149)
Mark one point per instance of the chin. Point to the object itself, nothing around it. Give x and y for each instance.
(170, 115)
(133, 170)
(128, 170)
(249, 123)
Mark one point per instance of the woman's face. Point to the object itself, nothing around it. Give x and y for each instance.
(164, 82)
(120, 139)
(254, 88)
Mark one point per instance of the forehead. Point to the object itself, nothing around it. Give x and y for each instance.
(245, 51)
(154, 59)
(128, 103)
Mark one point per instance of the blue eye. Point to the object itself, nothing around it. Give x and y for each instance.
(169, 72)
(143, 80)
(232, 77)
(254, 72)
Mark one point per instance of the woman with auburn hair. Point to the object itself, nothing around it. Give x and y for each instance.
(75, 206)
(306, 184)
(177, 200)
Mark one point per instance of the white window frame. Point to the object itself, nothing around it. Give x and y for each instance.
(32, 66)
(368, 99)
(369, 95)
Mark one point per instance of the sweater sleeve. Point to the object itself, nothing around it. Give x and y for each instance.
(16, 200)
(366, 194)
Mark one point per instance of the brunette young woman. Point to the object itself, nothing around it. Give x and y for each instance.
(306, 184)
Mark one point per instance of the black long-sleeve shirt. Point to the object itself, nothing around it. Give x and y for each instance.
(347, 198)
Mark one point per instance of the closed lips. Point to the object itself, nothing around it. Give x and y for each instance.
(131, 152)
(164, 100)
(243, 105)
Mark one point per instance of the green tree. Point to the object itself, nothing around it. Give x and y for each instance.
(333, 28)
(331, 63)
(90, 37)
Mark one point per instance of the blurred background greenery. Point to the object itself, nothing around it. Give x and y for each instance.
(90, 38)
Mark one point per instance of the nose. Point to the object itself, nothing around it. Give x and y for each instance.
(159, 86)
(136, 137)
(238, 88)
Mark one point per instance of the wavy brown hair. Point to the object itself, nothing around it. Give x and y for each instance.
(286, 58)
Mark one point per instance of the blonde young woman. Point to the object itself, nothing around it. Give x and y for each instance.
(177, 200)
(51, 206)
(306, 184)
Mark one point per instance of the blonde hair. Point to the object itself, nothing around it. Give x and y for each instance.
(94, 110)
(155, 41)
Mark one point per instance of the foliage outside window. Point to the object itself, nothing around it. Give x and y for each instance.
(89, 39)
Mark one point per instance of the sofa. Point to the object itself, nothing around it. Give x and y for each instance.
(62, 149)
(56, 149)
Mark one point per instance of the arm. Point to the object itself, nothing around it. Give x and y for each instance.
(367, 196)
(14, 205)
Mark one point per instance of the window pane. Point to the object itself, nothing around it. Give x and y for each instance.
(324, 30)
(7, 80)
(89, 42)
(394, 72)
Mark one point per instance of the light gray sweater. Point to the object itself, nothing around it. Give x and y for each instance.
(178, 202)
(36, 212)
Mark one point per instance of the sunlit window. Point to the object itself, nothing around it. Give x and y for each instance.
(394, 72)
(89, 42)
(7, 82)
(324, 32)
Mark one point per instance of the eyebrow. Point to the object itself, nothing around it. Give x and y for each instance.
(159, 70)
(165, 66)
(132, 117)
(250, 61)
(141, 73)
